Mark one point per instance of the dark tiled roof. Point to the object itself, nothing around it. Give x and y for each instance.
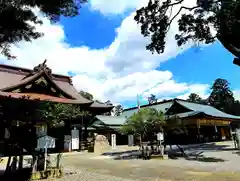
(11, 76)
(111, 120)
(161, 106)
(40, 97)
(206, 109)
(97, 104)
(194, 108)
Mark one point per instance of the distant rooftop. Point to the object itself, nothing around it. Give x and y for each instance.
(193, 108)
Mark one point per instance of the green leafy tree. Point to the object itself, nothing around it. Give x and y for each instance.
(109, 103)
(221, 96)
(61, 113)
(195, 22)
(86, 95)
(234, 108)
(118, 109)
(193, 97)
(152, 99)
(145, 123)
(17, 15)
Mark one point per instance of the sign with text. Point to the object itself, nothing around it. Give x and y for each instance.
(160, 136)
(212, 122)
(130, 140)
(46, 142)
(113, 141)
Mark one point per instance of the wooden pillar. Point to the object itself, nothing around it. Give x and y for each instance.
(198, 130)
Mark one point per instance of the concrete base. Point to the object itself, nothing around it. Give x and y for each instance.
(46, 174)
(160, 157)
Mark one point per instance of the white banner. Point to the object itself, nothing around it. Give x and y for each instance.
(130, 140)
(113, 141)
(75, 139)
(160, 136)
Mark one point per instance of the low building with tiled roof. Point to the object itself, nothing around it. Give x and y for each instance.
(201, 121)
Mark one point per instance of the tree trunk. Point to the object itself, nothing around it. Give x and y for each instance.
(182, 151)
(34, 163)
(14, 164)
(20, 163)
(8, 168)
(59, 159)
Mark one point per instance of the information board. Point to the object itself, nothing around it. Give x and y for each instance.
(46, 142)
(160, 136)
(130, 140)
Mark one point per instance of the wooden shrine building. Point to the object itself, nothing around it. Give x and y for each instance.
(41, 84)
(202, 123)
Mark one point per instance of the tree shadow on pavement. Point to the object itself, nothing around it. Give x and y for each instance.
(237, 153)
(210, 147)
(19, 175)
(119, 153)
(205, 159)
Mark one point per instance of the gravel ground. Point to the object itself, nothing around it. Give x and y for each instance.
(224, 166)
(85, 168)
(83, 175)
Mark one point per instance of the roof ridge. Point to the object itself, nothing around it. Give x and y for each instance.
(25, 71)
(146, 105)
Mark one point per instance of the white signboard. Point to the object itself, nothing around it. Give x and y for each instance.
(113, 141)
(130, 140)
(75, 139)
(46, 142)
(67, 142)
(160, 136)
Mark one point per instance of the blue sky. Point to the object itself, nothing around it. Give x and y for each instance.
(196, 65)
(104, 52)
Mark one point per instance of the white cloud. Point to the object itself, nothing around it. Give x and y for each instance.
(116, 7)
(236, 94)
(201, 89)
(110, 7)
(117, 72)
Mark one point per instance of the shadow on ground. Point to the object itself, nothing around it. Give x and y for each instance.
(206, 159)
(211, 147)
(119, 153)
(193, 153)
(19, 175)
(237, 153)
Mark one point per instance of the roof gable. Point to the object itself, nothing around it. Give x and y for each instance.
(40, 77)
(206, 109)
(11, 77)
(111, 120)
(164, 106)
(191, 109)
(177, 108)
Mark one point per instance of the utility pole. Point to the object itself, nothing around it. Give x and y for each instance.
(138, 95)
(138, 102)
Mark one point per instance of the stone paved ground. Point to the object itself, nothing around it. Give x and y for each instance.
(114, 170)
(85, 166)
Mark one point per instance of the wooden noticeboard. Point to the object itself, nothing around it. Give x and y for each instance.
(216, 122)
